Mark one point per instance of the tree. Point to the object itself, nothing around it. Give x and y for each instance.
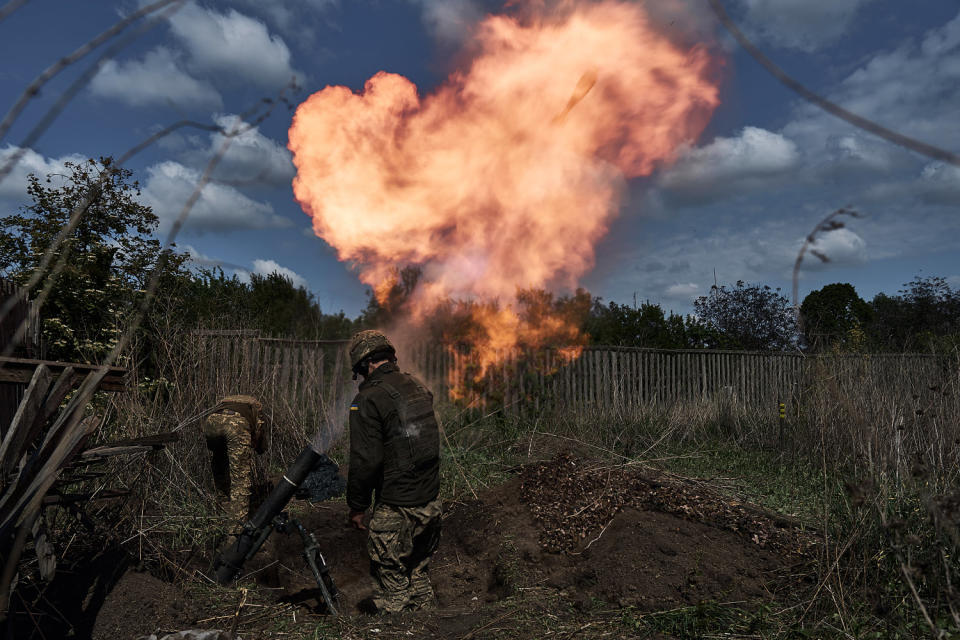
(924, 316)
(835, 316)
(105, 263)
(643, 326)
(752, 317)
(270, 303)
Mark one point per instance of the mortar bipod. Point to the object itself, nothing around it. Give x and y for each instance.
(311, 553)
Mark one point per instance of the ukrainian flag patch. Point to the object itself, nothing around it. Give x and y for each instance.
(354, 407)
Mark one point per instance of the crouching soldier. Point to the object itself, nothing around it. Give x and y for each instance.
(395, 455)
(233, 432)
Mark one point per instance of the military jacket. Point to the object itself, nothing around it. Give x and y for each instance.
(394, 442)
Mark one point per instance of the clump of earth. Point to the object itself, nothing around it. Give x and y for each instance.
(592, 531)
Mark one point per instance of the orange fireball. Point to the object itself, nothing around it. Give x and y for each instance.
(509, 173)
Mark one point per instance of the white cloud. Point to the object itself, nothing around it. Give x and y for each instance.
(800, 24)
(233, 46)
(250, 159)
(683, 291)
(913, 89)
(219, 208)
(940, 184)
(266, 267)
(841, 247)
(752, 160)
(13, 188)
(199, 258)
(156, 79)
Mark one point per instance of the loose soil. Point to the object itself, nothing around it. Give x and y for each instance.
(589, 533)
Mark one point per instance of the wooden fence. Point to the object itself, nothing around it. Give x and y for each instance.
(625, 377)
(292, 377)
(19, 336)
(298, 374)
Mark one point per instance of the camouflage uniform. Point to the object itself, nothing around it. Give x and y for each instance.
(232, 433)
(400, 544)
(395, 454)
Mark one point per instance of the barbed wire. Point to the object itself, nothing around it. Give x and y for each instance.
(832, 108)
(170, 6)
(94, 191)
(33, 89)
(10, 7)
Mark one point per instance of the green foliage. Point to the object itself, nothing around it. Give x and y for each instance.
(835, 317)
(752, 317)
(269, 303)
(105, 263)
(699, 621)
(646, 326)
(924, 316)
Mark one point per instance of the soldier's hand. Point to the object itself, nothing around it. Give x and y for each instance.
(356, 520)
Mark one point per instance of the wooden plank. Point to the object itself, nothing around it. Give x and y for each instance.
(645, 358)
(702, 365)
(286, 374)
(256, 361)
(61, 442)
(51, 405)
(236, 365)
(641, 378)
(617, 379)
(20, 430)
(20, 370)
(221, 380)
(305, 376)
(250, 333)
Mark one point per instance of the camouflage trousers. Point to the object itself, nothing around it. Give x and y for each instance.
(228, 437)
(400, 544)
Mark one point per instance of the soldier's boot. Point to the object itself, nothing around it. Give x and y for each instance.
(391, 601)
(421, 593)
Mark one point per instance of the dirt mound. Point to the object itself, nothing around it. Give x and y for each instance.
(574, 499)
(141, 604)
(654, 560)
(593, 533)
(588, 531)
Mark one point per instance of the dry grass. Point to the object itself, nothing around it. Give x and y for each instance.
(867, 454)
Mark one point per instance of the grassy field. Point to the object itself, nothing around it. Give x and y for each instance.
(872, 476)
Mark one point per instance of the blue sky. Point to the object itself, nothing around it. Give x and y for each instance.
(737, 203)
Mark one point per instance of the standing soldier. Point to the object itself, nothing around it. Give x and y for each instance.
(395, 455)
(233, 432)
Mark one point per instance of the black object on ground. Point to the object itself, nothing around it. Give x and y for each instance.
(323, 482)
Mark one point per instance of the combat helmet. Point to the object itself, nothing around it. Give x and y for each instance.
(366, 344)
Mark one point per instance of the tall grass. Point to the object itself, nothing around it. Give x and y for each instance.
(866, 456)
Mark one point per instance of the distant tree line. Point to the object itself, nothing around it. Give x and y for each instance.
(924, 316)
(97, 275)
(103, 265)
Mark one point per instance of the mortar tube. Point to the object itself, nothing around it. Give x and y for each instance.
(230, 562)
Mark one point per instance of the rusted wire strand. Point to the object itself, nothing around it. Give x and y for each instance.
(33, 89)
(93, 193)
(832, 108)
(170, 7)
